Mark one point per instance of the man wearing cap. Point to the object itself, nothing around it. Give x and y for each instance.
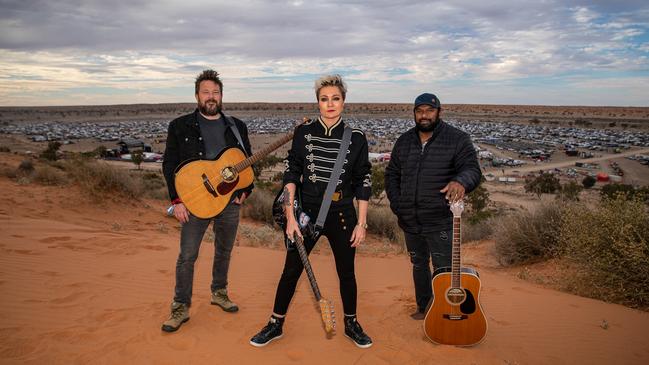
(431, 165)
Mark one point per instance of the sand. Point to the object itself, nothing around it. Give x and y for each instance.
(84, 282)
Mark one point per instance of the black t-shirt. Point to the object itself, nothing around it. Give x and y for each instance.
(213, 133)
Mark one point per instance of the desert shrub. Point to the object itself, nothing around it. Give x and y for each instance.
(26, 166)
(609, 248)
(50, 153)
(482, 229)
(615, 190)
(381, 221)
(529, 236)
(259, 206)
(48, 175)
(545, 183)
(378, 180)
(100, 179)
(588, 182)
(570, 191)
(478, 199)
(5, 149)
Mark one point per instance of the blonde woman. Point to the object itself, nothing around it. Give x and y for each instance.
(310, 161)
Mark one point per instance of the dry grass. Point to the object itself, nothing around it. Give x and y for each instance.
(259, 206)
(528, 236)
(607, 251)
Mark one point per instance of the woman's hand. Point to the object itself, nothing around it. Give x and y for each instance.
(292, 229)
(358, 236)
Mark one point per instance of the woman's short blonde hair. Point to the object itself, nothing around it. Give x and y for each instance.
(330, 80)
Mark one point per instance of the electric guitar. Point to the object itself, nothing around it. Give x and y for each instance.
(305, 224)
(205, 186)
(455, 317)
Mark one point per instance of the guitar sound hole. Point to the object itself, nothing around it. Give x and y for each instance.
(455, 296)
(228, 174)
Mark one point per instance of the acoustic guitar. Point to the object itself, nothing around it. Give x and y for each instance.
(206, 186)
(455, 316)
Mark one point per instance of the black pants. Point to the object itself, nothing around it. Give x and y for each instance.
(421, 248)
(338, 228)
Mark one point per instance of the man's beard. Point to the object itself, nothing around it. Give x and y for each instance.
(210, 110)
(426, 125)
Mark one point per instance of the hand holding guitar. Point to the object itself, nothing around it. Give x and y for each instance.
(454, 191)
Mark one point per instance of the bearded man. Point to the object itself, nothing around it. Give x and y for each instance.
(203, 134)
(431, 164)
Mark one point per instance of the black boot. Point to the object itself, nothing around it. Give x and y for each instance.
(354, 332)
(272, 331)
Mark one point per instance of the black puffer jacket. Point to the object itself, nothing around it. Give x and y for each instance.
(185, 143)
(414, 178)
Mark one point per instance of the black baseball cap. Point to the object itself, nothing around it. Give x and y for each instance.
(427, 99)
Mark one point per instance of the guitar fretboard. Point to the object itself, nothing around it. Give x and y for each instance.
(307, 267)
(455, 263)
(261, 154)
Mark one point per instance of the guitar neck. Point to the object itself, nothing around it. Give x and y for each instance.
(455, 253)
(307, 267)
(261, 154)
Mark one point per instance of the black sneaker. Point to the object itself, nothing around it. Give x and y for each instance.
(272, 331)
(354, 332)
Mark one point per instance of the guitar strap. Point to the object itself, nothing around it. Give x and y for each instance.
(235, 130)
(333, 179)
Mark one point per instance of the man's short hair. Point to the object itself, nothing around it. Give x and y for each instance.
(330, 80)
(208, 75)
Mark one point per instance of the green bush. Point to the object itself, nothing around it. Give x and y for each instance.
(546, 183)
(529, 236)
(588, 182)
(609, 248)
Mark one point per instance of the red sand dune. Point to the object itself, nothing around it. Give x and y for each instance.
(91, 283)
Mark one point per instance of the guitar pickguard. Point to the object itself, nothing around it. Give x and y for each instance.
(468, 307)
(225, 188)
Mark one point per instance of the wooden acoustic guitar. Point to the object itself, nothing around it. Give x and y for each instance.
(206, 186)
(455, 316)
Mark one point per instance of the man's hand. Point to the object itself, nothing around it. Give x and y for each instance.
(454, 191)
(181, 213)
(240, 199)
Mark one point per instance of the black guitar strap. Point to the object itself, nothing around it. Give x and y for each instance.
(333, 179)
(235, 130)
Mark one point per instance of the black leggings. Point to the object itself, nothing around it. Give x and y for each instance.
(338, 228)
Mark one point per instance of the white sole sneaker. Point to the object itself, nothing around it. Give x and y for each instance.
(359, 346)
(266, 343)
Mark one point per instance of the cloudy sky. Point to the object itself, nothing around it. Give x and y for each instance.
(556, 52)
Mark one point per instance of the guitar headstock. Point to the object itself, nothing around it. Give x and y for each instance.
(457, 207)
(328, 317)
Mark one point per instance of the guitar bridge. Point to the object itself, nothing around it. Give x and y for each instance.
(455, 317)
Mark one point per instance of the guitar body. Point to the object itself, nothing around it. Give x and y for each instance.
(455, 317)
(206, 186)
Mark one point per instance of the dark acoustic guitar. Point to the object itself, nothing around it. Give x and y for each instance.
(455, 316)
(205, 186)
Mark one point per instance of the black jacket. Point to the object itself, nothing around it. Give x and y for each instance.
(184, 143)
(414, 178)
(313, 155)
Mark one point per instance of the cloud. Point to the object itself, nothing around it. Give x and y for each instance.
(390, 48)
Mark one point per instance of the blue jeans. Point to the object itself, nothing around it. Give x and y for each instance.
(225, 231)
(421, 248)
